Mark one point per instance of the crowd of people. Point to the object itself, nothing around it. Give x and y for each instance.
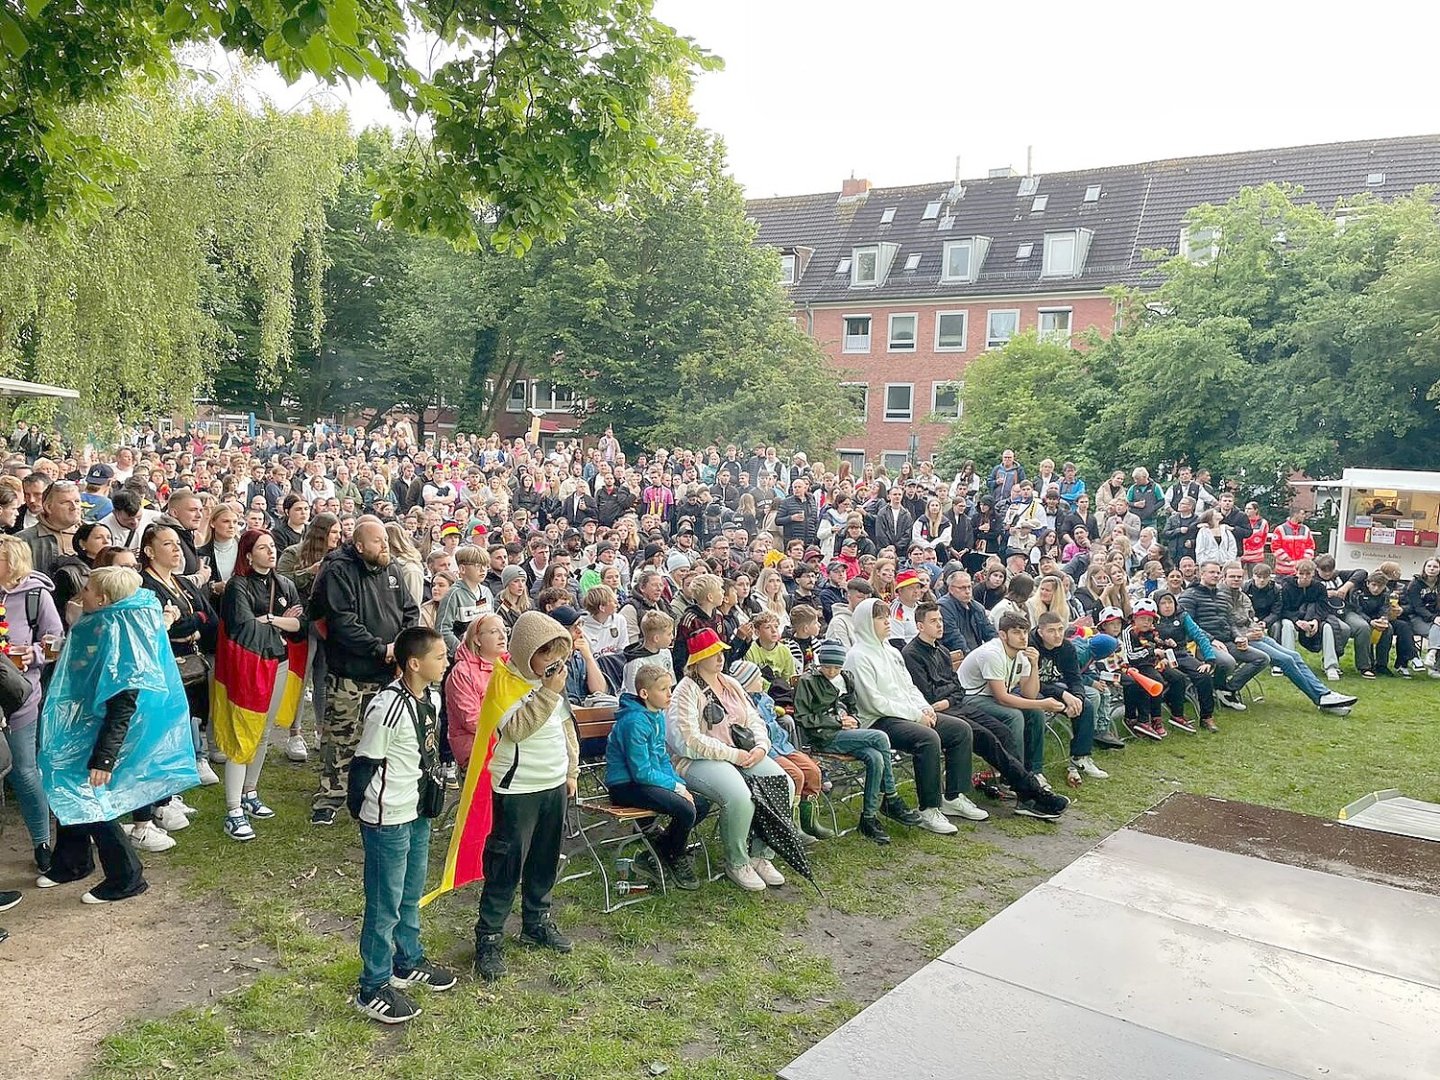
(439, 606)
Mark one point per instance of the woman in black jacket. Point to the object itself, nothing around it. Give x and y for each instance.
(1421, 607)
(988, 529)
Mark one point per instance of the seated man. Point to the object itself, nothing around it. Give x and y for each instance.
(1002, 677)
(1287, 660)
(967, 623)
(928, 662)
(1060, 679)
(1305, 615)
(1340, 589)
(1235, 662)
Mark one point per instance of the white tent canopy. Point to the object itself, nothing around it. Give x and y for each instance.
(20, 388)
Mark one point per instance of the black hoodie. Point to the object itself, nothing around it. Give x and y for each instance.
(1059, 668)
(364, 607)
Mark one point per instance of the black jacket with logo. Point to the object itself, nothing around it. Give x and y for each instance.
(364, 608)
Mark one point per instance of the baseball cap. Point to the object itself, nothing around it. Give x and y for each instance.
(566, 616)
(99, 474)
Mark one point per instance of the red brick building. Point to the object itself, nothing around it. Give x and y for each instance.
(902, 287)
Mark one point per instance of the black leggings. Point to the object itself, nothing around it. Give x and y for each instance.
(1139, 705)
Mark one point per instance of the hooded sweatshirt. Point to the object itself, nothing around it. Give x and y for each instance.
(878, 675)
(536, 748)
(364, 608)
(635, 752)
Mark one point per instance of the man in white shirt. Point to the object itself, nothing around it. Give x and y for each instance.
(1002, 677)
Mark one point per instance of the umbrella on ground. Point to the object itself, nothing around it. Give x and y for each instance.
(773, 826)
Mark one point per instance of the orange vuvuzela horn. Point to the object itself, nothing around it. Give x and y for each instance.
(1153, 687)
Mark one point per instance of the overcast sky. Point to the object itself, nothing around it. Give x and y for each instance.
(813, 90)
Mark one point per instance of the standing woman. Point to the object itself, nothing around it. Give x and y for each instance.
(221, 549)
(261, 620)
(192, 637)
(513, 599)
(405, 556)
(301, 564)
(933, 531)
(25, 593)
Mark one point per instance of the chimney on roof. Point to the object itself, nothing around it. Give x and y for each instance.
(1002, 173)
(849, 189)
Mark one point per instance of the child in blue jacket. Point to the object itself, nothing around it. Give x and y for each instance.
(638, 773)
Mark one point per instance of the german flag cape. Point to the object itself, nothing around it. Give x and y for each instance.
(472, 821)
(241, 693)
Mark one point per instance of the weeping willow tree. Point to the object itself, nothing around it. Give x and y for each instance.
(213, 199)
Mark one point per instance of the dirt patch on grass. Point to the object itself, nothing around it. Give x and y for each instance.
(73, 973)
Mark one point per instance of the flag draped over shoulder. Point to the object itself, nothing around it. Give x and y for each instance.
(472, 821)
(243, 689)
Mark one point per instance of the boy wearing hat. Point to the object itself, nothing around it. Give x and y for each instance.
(908, 587)
(824, 710)
(533, 772)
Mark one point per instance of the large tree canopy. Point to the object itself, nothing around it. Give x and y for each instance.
(536, 106)
(1309, 341)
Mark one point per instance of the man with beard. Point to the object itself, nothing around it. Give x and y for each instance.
(365, 607)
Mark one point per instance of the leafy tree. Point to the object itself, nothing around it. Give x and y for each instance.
(540, 105)
(133, 305)
(664, 313)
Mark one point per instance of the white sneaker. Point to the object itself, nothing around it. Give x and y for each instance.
(184, 807)
(1087, 766)
(151, 837)
(171, 818)
(1230, 700)
(1416, 664)
(295, 748)
(1333, 674)
(207, 774)
(962, 807)
(932, 820)
(765, 870)
(746, 877)
(1334, 700)
(1276, 672)
(1040, 779)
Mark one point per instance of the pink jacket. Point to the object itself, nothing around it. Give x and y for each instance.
(464, 691)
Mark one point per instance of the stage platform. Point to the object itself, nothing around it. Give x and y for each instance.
(1207, 940)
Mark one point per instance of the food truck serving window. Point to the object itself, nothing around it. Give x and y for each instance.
(1398, 518)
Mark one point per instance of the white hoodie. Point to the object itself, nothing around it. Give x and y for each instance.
(883, 686)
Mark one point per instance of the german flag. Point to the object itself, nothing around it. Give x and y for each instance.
(241, 693)
(472, 821)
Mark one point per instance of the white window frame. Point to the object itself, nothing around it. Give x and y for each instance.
(1092, 193)
(887, 215)
(964, 331)
(969, 245)
(1047, 267)
(1038, 204)
(549, 402)
(909, 417)
(912, 261)
(788, 264)
(890, 345)
(932, 211)
(936, 387)
(857, 258)
(1054, 335)
(864, 413)
(845, 344)
(992, 342)
(1200, 254)
(510, 405)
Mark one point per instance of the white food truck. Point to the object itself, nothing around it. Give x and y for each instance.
(1386, 515)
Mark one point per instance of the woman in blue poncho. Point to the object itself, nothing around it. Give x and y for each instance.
(115, 733)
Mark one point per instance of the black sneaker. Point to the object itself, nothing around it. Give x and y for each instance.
(893, 806)
(324, 815)
(1046, 805)
(43, 855)
(423, 974)
(387, 1005)
(870, 826)
(682, 873)
(1106, 741)
(546, 935)
(646, 865)
(9, 898)
(489, 957)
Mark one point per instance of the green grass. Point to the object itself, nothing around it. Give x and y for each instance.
(702, 986)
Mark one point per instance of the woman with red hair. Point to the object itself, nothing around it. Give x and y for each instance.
(259, 672)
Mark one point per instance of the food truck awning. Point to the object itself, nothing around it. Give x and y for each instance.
(1386, 479)
(21, 388)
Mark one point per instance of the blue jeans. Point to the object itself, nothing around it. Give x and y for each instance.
(396, 857)
(1295, 669)
(25, 780)
(872, 749)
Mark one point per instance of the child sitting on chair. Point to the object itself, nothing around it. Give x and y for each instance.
(804, 773)
(638, 773)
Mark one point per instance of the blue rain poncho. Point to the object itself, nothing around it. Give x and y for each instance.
(123, 646)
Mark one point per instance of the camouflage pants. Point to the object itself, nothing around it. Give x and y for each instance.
(345, 702)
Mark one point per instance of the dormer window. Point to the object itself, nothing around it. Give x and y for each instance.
(1065, 253)
(1199, 246)
(865, 267)
(787, 269)
(963, 258)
